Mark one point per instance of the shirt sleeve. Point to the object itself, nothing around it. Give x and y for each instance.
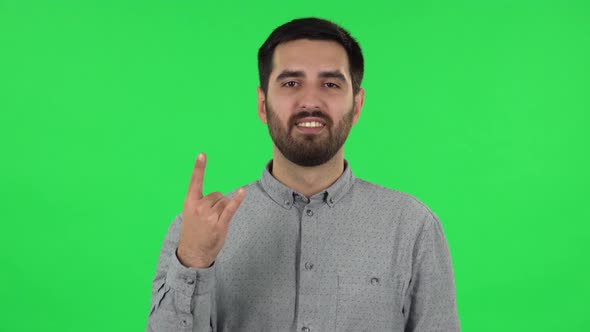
(182, 298)
(431, 302)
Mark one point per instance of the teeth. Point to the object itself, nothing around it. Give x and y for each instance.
(311, 124)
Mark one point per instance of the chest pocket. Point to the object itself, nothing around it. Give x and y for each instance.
(369, 303)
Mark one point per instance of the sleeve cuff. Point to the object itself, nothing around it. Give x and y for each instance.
(190, 281)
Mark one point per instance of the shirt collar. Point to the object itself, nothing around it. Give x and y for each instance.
(285, 196)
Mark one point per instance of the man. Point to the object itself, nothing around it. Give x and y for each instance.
(308, 247)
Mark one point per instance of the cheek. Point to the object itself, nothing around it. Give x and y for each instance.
(281, 107)
(283, 103)
(276, 113)
(340, 107)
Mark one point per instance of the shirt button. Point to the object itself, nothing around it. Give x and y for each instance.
(287, 202)
(310, 213)
(308, 266)
(331, 200)
(190, 281)
(305, 329)
(374, 281)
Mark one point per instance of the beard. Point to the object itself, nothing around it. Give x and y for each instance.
(308, 150)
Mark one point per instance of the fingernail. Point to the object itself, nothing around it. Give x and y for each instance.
(200, 157)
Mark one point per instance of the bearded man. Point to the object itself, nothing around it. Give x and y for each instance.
(309, 246)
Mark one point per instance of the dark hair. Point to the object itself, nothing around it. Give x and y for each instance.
(315, 29)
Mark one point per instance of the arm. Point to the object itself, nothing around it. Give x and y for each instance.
(182, 293)
(182, 297)
(431, 304)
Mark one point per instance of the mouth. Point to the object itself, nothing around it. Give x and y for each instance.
(310, 126)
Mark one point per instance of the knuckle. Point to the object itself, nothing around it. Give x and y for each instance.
(221, 204)
(199, 209)
(212, 197)
(216, 194)
(213, 217)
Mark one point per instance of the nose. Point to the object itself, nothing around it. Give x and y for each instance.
(309, 99)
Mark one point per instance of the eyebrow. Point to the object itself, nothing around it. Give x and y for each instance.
(337, 74)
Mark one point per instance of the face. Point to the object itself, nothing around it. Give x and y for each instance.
(309, 106)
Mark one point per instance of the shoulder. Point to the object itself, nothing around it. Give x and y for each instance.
(406, 206)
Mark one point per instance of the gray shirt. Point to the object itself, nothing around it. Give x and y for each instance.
(354, 257)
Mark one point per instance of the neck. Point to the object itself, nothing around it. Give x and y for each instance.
(307, 180)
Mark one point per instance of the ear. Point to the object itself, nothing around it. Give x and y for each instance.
(261, 105)
(359, 101)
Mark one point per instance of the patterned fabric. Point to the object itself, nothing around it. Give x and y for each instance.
(355, 257)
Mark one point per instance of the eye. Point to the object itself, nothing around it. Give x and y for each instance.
(290, 84)
(332, 85)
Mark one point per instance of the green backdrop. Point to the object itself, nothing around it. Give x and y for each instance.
(477, 108)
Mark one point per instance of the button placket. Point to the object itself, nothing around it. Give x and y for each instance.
(309, 266)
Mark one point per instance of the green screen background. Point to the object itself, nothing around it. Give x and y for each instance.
(477, 108)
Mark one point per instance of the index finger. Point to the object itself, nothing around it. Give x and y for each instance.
(195, 189)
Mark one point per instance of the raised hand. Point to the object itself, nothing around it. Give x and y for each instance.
(205, 220)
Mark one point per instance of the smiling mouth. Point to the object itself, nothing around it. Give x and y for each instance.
(310, 125)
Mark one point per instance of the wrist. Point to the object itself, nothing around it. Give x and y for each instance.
(193, 261)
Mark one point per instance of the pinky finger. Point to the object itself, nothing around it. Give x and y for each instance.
(232, 207)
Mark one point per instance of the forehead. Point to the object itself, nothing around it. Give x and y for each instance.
(309, 56)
